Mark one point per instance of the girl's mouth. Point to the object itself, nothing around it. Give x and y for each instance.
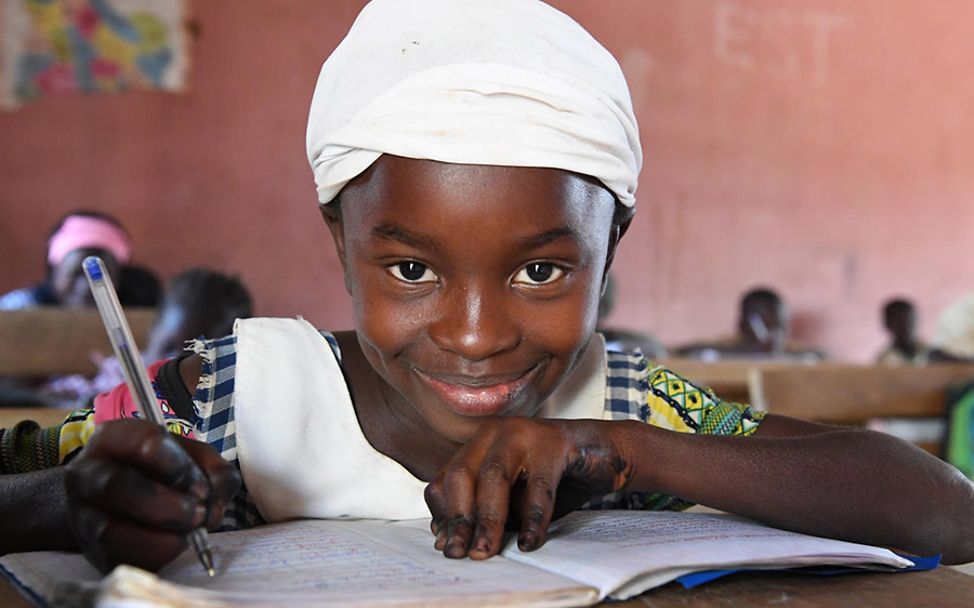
(487, 395)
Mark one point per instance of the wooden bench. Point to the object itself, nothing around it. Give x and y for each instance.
(52, 341)
(44, 416)
(852, 394)
(858, 394)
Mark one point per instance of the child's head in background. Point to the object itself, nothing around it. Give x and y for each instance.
(198, 302)
(763, 321)
(900, 319)
(74, 237)
(476, 163)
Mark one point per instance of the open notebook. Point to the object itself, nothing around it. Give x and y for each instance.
(590, 555)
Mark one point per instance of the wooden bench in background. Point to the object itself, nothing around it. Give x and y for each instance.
(858, 394)
(853, 394)
(832, 392)
(44, 416)
(52, 341)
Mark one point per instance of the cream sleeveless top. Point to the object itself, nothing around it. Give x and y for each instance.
(302, 453)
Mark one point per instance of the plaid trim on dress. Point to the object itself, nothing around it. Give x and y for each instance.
(640, 390)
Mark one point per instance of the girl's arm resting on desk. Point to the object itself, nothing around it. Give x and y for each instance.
(829, 481)
(839, 482)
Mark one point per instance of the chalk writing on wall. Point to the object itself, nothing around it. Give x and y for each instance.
(781, 43)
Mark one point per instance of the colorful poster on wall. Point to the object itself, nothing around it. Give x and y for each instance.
(51, 47)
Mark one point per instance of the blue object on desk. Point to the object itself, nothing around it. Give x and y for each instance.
(694, 579)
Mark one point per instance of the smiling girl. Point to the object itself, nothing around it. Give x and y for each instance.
(476, 165)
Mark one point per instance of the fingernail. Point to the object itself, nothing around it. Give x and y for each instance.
(482, 546)
(199, 515)
(456, 547)
(200, 489)
(527, 541)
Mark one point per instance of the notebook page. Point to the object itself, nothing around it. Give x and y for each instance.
(349, 563)
(76, 582)
(608, 549)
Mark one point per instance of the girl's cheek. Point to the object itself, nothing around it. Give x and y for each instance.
(387, 323)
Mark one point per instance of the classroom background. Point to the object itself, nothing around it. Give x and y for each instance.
(821, 147)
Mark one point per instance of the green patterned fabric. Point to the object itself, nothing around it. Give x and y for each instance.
(960, 434)
(27, 447)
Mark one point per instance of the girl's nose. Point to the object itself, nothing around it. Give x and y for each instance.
(475, 323)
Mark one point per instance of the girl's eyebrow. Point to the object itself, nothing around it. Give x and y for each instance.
(392, 232)
(548, 236)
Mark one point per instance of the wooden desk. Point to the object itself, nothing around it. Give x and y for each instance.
(43, 416)
(943, 587)
(852, 394)
(42, 342)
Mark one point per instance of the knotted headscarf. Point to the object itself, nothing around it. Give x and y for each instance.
(486, 82)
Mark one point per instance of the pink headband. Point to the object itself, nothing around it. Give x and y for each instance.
(83, 232)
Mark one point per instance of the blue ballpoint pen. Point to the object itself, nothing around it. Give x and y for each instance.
(135, 375)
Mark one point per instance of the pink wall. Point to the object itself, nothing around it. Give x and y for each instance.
(822, 147)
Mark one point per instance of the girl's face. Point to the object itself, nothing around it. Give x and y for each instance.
(475, 288)
(68, 278)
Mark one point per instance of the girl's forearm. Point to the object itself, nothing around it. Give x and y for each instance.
(33, 506)
(851, 484)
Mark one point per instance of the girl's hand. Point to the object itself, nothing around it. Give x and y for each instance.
(521, 472)
(135, 491)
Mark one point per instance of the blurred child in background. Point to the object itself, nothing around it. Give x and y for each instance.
(199, 303)
(73, 238)
(905, 348)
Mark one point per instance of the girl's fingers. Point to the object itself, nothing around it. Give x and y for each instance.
(536, 508)
(126, 493)
(440, 540)
(450, 498)
(509, 472)
(108, 541)
(223, 477)
(494, 480)
(136, 490)
(459, 531)
(151, 449)
(436, 501)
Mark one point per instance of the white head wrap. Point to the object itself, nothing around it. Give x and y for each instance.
(955, 328)
(486, 82)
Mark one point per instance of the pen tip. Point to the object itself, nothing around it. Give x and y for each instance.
(207, 558)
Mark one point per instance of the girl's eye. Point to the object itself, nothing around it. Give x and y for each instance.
(412, 272)
(538, 273)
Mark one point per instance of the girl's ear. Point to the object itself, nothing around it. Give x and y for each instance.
(618, 229)
(333, 218)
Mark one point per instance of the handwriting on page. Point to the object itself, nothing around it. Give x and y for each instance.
(295, 557)
(626, 553)
(358, 560)
(663, 529)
